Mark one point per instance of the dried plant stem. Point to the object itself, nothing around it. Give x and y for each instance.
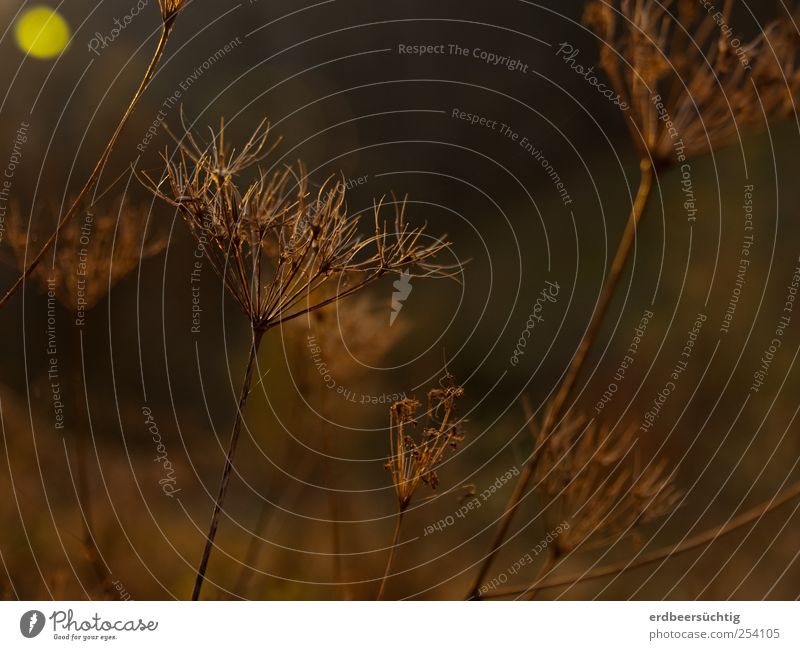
(751, 516)
(395, 541)
(166, 30)
(555, 410)
(226, 472)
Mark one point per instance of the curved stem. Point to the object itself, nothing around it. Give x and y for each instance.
(693, 543)
(395, 540)
(101, 163)
(226, 472)
(556, 407)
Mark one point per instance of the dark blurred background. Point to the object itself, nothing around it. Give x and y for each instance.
(330, 79)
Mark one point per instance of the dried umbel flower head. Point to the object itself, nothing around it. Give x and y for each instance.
(94, 252)
(412, 461)
(589, 476)
(275, 243)
(690, 83)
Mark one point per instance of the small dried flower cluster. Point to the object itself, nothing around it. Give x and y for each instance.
(684, 80)
(589, 476)
(412, 462)
(278, 247)
(93, 253)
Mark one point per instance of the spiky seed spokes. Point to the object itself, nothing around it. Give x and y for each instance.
(276, 243)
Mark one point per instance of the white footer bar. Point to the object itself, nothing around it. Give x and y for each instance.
(390, 626)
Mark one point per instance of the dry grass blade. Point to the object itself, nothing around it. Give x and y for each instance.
(648, 50)
(346, 339)
(92, 256)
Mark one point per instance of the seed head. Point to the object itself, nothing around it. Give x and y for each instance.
(94, 252)
(683, 79)
(280, 247)
(590, 476)
(412, 461)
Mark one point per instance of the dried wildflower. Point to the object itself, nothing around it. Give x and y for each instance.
(588, 476)
(274, 243)
(412, 462)
(280, 250)
(93, 253)
(683, 80)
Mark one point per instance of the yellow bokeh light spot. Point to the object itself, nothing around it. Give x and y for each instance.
(42, 32)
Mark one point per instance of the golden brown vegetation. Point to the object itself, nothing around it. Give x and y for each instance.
(279, 248)
(285, 251)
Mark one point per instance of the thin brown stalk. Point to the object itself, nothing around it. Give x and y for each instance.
(169, 13)
(395, 541)
(753, 515)
(556, 408)
(226, 472)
